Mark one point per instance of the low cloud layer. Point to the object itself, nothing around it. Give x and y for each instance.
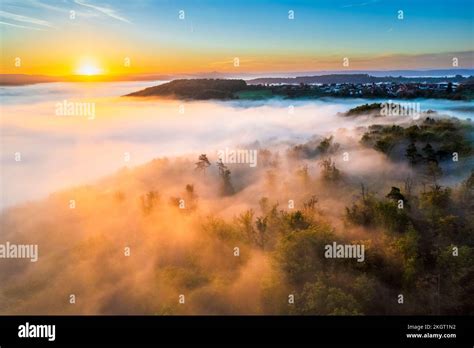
(68, 150)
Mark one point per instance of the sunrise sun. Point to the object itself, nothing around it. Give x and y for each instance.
(88, 68)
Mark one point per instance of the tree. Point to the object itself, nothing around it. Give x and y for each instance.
(245, 221)
(329, 170)
(224, 173)
(449, 89)
(395, 194)
(467, 192)
(412, 153)
(264, 205)
(325, 145)
(433, 172)
(303, 175)
(203, 163)
(384, 145)
(297, 221)
(408, 186)
(300, 253)
(191, 197)
(436, 198)
(149, 201)
(261, 224)
(310, 205)
(319, 298)
(387, 215)
(430, 153)
(407, 246)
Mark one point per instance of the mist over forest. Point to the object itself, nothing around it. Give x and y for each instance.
(188, 234)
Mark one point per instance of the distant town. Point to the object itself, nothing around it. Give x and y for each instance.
(444, 90)
(341, 86)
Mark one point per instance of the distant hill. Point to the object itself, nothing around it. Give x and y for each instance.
(334, 86)
(353, 78)
(196, 89)
(23, 79)
(382, 73)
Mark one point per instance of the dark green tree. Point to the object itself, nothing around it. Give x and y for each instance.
(395, 194)
(412, 153)
(429, 153)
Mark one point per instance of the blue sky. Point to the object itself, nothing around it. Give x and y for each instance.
(322, 31)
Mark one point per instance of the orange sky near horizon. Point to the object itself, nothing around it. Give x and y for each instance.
(119, 65)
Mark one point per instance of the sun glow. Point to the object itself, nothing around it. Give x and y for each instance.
(88, 69)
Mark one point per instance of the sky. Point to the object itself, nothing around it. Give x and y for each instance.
(165, 37)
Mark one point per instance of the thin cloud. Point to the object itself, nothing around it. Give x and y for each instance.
(47, 6)
(107, 11)
(361, 4)
(39, 4)
(24, 19)
(19, 26)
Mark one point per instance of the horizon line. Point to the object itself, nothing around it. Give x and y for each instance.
(340, 71)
